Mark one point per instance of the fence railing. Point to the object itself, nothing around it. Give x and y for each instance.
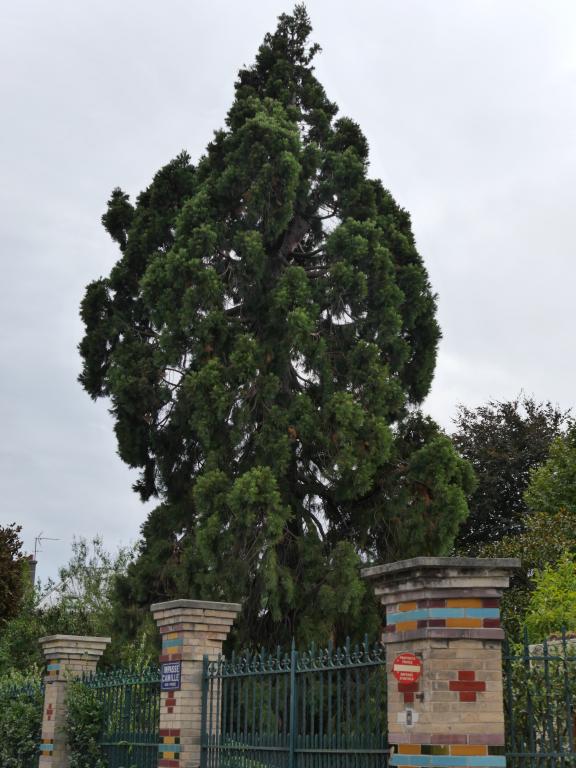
(130, 711)
(539, 698)
(321, 707)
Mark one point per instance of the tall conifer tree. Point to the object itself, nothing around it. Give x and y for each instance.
(265, 340)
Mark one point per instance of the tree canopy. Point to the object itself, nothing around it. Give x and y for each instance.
(265, 340)
(12, 571)
(553, 484)
(552, 605)
(504, 442)
(81, 602)
(548, 538)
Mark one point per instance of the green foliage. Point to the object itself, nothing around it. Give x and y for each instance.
(127, 704)
(79, 604)
(553, 485)
(265, 340)
(141, 654)
(550, 528)
(504, 442)
(21, 703)
(552, 605)
(19, 637)
(12, 571)
(84, 719)
(538, 690)
(544, 541)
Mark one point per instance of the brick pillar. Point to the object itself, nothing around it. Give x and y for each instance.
(444, 659)
(189, 629)
(67, 656)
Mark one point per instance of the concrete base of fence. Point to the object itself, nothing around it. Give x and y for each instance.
(190, 629)
(66, 656)
(444, 659)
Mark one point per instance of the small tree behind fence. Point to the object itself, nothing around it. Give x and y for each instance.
(129, 710)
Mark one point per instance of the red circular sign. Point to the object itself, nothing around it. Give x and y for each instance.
(407, 668)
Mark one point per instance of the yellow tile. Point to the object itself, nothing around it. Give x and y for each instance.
(463, 623)
(468, 749)
(168, 755)
(407, 606)
(406, 626)
(471, 602)
(169, 740)
(172, 636)
(409, 749)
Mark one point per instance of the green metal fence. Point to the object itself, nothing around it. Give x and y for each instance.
(539, 694)
(130, 706)
(323, 708)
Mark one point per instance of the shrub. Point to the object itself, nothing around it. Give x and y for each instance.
(83, 726)
(552, 605)
(21, 703)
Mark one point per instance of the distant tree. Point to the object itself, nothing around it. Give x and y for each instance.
(79, 603)
(12, 571)
(553, 484)
(549, 535)
(82, 597)
(265, 339)
(504, 442)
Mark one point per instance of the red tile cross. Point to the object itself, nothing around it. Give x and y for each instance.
(49, 711)
(467, 685)
(408, 690)
(170, 702)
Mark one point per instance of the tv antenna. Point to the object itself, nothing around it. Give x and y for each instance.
(38, 543)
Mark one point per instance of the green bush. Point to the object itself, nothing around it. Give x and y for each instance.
(21, 703)
(552, 605)
(83, 726)
(538, 688)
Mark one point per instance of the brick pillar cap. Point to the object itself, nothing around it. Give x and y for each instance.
(75, 645)
(197, 604)
(445, 563)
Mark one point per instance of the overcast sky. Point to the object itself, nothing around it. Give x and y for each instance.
(470, 110)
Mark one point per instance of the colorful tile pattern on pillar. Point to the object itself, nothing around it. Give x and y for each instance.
(172, 642)
(446, 612)
(190, 629)
(53, 668)
(66, 657)
(451, 756)
(169, 748)
(46, 747)
(455, 613)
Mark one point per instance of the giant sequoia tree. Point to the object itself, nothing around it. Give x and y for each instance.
(265, 339)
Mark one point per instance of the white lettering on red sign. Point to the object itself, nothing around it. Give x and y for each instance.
(407, 668)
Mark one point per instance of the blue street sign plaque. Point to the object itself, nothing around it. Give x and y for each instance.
(170, 676)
